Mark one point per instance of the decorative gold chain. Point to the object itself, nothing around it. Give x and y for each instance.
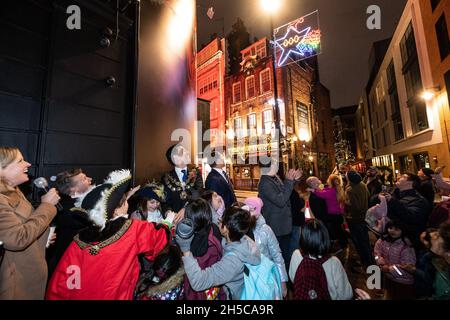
(94, 249)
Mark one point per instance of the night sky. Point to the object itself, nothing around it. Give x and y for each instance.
(346, 41)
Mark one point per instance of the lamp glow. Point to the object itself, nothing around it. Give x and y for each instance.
(270, 6)
(427, 95)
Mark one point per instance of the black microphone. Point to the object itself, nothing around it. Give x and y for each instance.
(2, 252)
(42, 183)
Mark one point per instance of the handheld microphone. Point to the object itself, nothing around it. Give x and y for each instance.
(42, 183)
(2, 252)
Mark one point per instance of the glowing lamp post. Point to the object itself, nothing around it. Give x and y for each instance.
(271, 6)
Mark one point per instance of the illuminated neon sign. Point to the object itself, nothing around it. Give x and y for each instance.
(297, 40)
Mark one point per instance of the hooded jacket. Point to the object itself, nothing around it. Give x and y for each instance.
(268, 245)
(229, 271)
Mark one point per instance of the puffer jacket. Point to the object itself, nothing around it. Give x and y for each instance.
(268, 245)
(395, 253)
(411, 209)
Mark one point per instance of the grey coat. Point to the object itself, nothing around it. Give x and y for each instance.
(229, 271)
(268, 245)
(277, 206)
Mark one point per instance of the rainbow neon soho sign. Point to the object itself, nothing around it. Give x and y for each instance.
(297, 40)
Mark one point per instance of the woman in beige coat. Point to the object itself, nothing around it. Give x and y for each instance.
(23, 230)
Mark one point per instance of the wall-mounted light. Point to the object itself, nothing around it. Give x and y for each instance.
(435, 159)
(430, 93)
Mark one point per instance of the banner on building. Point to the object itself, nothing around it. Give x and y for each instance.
(297, 40)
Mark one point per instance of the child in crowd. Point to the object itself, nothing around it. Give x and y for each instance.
(238, 250)
(392, 251)
(217, 205)
(317, 276)
(205, 247)
(334, 196)
(149, 200)
(266, 240)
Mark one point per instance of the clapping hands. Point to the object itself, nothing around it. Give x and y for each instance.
(293, 174)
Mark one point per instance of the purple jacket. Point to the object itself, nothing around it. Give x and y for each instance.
(330, 197)
(389, 253)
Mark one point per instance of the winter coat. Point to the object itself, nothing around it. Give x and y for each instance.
(277, 206)
(432, 277)
(68, 225)
(107, 260)
(397, 252)
(426, 189)
(358, 195)
(268, 245)
(229, 271)
(338, 285)
(330, 197)
(24, 232)
(410, 208)
(207, 249)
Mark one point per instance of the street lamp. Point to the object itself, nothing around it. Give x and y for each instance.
(271, 6)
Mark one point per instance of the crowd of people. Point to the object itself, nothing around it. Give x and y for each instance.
(185, 239)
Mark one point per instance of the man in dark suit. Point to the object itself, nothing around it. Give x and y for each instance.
(183, 183)
(218, 179)
(71, 185)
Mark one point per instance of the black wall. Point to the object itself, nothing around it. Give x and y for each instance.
(54, 102)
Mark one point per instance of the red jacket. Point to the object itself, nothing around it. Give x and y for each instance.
(111, 274)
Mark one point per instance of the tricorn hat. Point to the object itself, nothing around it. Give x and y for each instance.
(100, 202)
(153, 190)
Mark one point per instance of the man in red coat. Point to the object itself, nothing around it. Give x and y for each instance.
(102, 261)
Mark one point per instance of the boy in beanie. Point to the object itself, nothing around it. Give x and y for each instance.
(356, 205)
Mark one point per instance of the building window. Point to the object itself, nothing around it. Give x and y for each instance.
(386, 139)
(408, 46)
(238, 127)
(236, 92)
(421, 160)
(250, 87)
(395, 104)
(442, 37)
(303, 122)
(265, 80)
(261, 50)
(434, 4)
(413, 81)
(267, 120)
(417, 107)
(251, 124)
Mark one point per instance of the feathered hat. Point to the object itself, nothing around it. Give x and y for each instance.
(100, 202)
(153, 190)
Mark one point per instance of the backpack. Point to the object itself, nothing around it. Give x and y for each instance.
(310, 282)
(261, 282)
